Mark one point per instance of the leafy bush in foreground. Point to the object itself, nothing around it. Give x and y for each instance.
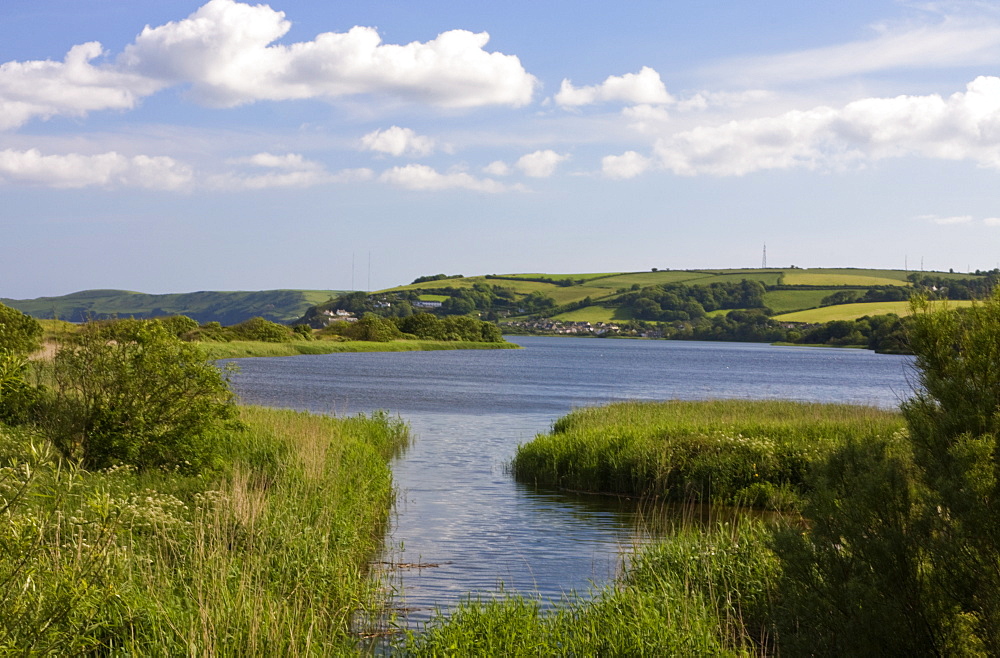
(130, 392)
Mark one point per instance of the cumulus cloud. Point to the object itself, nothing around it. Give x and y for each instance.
(289, 161)
(991, 221)
(627, 165)
(422, 177)
(540, 164)
(398, 141)
(964, 126)
(497, 168)
(109, 170)
(634, 88)
(226, 51)
(72, 87)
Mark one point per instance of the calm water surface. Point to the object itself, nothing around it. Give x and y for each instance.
(457, 507)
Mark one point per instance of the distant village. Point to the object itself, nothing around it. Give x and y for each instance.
(574, 328)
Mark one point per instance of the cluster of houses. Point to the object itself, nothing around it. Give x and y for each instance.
(557, 327)
(339, 315)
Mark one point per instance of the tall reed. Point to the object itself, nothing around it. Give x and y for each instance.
(268, 556)
(749, 452)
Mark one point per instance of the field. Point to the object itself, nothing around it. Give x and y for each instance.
(854, 311)
(594, 314)
(603, 287)
(815, 278)
(786, 301)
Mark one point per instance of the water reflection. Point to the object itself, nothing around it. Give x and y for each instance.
(458, 507)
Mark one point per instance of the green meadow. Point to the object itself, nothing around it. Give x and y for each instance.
(855, 311)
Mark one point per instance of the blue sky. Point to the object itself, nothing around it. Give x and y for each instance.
(179, 146)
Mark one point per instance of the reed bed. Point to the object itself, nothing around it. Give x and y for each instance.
(267, 556)
(239, 349)
(748, 452)
(694, 592)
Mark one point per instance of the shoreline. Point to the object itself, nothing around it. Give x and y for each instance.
(250, 349)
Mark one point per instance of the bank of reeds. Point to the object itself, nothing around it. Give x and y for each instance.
(267, 556)
(747, 452)
(694, 592)
(239, 349)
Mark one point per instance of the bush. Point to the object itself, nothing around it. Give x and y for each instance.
(129, 392)
(903, 552)
(19, 333)
(262, 330)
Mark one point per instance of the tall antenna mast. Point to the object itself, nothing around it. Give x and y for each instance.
(763, 260)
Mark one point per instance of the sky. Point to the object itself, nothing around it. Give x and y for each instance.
(174, 146)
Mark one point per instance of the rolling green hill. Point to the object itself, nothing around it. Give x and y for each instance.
(602, 297)
(228, 308)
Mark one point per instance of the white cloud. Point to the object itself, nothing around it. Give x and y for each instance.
(964, 126)
(398, 141)
(947, 221)
(73, 87)
(540, 164)
(644, 87)
(289, 161)
(627, 165)
(226, 52)
(953, 41)
(110, 170)
(991, 221)
(497, 168)
(422, 177)
(287, 177)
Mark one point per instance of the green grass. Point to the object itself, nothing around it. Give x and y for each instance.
(734, 451)
(433, 298)
(839, 278)
(692, 593)
(855, 311)
(266, 557)
(786, 301)
(239, 349)
(595, 314)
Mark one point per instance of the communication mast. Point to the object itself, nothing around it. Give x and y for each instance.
(763, 259)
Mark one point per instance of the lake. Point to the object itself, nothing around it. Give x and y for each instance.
(459, 510)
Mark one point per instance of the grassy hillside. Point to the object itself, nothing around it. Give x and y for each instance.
(854, 311)
(791, 289)
(210, 306)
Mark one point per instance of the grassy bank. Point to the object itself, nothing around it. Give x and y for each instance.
(241, 349)
(692, 593)
(267, 555)
(735, 451)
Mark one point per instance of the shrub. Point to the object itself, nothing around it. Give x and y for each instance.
(19, 333)
(262, 330)
(903, 552)
(129, 392)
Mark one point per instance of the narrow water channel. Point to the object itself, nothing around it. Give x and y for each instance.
(461, 524)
